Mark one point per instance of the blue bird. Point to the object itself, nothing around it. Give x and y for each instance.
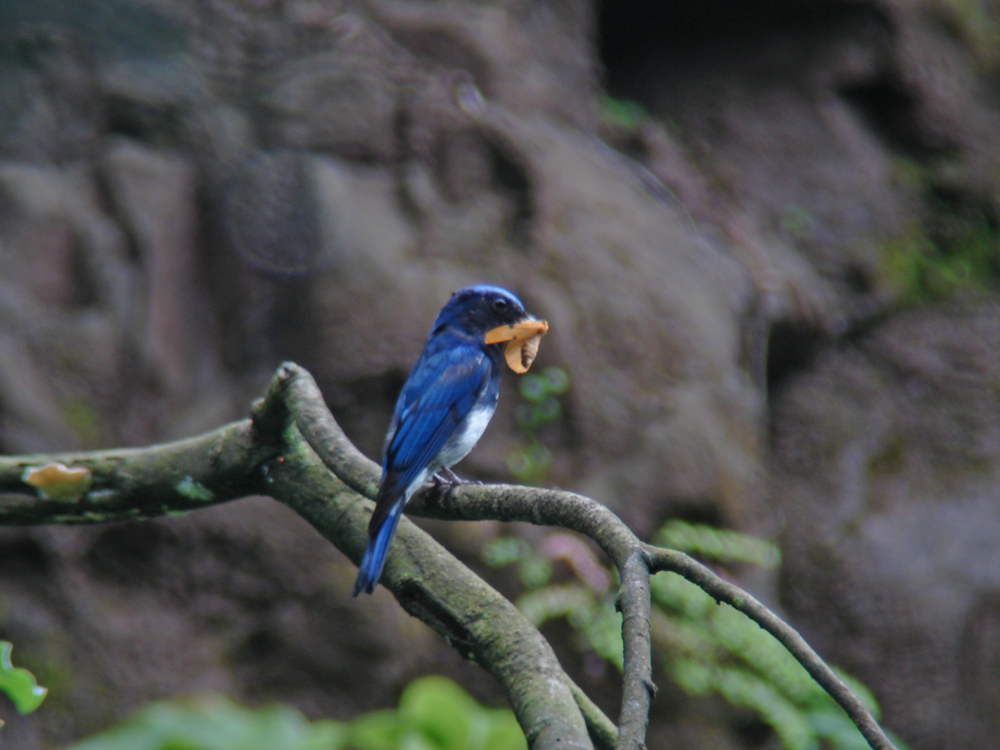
(445, 405)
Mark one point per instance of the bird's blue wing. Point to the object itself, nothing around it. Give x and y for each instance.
(446, 383)
(448, 380)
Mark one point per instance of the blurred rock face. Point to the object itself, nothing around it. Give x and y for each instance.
(192, 192)
(889, 496)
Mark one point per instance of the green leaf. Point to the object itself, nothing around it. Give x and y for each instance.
(215, 723)
(723, 545)
(833, 725)
(434, 714)
(504, 550)
(533, 388)
(378, 730)
(556, 380)
(19, 684)
(622, 113)
(440, 710)
(503, 732)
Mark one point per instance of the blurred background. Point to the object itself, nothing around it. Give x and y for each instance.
(765, 236)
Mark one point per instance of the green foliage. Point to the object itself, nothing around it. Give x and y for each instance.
(705, 648)
(920, 268)
(591, 614)
(540, 405)
(433, 714)
(533, 570)
(18, 684)
(973, 22)
(953, 250)
(708, 649)
(622, 113)
(436, 714)
(721, 545)
(215, 723)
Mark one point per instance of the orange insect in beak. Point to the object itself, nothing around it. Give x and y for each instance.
(524, 336)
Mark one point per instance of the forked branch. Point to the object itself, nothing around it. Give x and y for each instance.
(292, 449)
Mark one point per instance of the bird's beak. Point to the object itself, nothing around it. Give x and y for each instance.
(524, 336)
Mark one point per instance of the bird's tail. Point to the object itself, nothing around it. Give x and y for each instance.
(373, 560)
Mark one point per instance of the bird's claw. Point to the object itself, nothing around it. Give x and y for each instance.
(446, 477)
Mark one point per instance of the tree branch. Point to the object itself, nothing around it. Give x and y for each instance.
(602, 730)
(267, 455)
(434, 586)
(140, 483)
(293, 450)
(586, 516)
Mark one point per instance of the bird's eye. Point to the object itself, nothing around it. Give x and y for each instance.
(500, 304)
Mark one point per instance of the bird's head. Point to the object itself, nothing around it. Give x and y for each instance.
(494, 316)
(476, 310)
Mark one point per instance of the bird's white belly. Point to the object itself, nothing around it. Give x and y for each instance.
(466, 436)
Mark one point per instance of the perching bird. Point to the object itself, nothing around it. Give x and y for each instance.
(445, 405)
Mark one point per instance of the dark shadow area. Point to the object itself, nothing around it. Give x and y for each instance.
(891, 111)
(791, 348)
(646, 44)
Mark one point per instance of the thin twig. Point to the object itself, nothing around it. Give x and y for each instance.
(723, 591)
(602, 730)
(637, 686)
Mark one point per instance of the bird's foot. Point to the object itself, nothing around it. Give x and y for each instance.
(445, 476)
